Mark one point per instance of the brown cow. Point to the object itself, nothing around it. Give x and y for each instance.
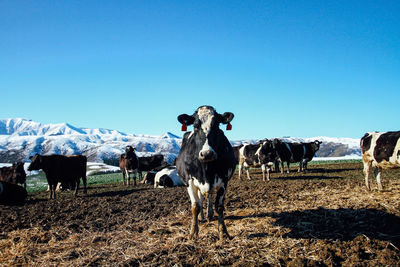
(128, 163)
(63, 169)
(14, 174)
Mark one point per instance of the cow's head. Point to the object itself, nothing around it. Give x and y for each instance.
(315, 145)
(130, 151)
(266, 152)
(36, 163)
(206, 132)
(19, 172)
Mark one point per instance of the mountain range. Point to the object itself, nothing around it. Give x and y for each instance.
(21, 138)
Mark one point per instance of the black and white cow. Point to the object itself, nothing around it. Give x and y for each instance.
(247, 158)
(167, 177)
(380, 151)
(206, 162)
(267, 156)
(310, 149)
(289, 153)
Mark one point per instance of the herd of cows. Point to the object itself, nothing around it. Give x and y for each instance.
(204, 165)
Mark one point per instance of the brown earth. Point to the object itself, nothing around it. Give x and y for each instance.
(323, 217)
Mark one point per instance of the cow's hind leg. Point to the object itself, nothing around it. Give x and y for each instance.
(194, 199)
(77, 186)
(219, 206)
(367, 167)
(84, 183)
(134, 177)
(128, 178)
(378, 172)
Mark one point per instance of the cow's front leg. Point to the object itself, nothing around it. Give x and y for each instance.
(210, 211)
(134, 177)
(194, 199)
(128, 178)
(219, 206)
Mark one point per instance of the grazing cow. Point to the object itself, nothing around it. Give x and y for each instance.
(167, 177)
(14, 174)
(129, 163)
(206, 162)
(63, 169)
(380, 151)
(311, 148)
(149, 163)
(11, 193)
(247, 158)
(267, 156)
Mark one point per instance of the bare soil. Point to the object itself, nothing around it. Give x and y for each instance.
(323, 217)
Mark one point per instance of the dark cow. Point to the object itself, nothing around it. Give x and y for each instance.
(63, 169)
(247, 158)
(206, 162)
(14, 174)
(11, 193)
(380, 151)
(149, 163)
(267, 156)
(311, 148)
(129, 163)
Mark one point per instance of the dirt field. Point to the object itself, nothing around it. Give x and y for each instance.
(323, 217)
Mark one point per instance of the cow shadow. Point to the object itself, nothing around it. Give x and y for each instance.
(118, 193)
(306, 177)
(334, 224)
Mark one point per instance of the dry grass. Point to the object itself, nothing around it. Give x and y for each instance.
(325, 217)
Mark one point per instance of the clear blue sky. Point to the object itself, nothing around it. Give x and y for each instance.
(284, 68)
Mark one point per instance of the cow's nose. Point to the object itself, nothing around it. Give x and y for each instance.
(207, 155)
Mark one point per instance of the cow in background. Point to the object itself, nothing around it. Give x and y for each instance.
(267, 157)
(206, 162)
(167, 177)
(14, 174)
(149, 163)
(63, 169)
(380, 151)
(129, 163)
(289, 153)
(247, 158)
(310, 149)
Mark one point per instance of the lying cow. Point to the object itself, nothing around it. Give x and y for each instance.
(11, 193)
(206, 162)
(64, 169)
(14, 174)
(247, 158)
(129, 163)
(380, 151)
(167, 177)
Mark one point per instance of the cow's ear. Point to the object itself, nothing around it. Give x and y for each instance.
(227, 117)
(31, 157)
(186, 119)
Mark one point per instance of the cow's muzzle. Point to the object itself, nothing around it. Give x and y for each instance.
(207, 155)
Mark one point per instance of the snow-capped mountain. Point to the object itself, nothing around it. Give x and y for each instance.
(21, 138)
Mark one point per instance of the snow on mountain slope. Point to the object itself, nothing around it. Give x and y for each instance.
(21, 138)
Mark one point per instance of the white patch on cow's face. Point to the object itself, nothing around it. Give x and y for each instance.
(205, 115)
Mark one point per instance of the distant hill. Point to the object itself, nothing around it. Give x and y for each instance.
(21, 138)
